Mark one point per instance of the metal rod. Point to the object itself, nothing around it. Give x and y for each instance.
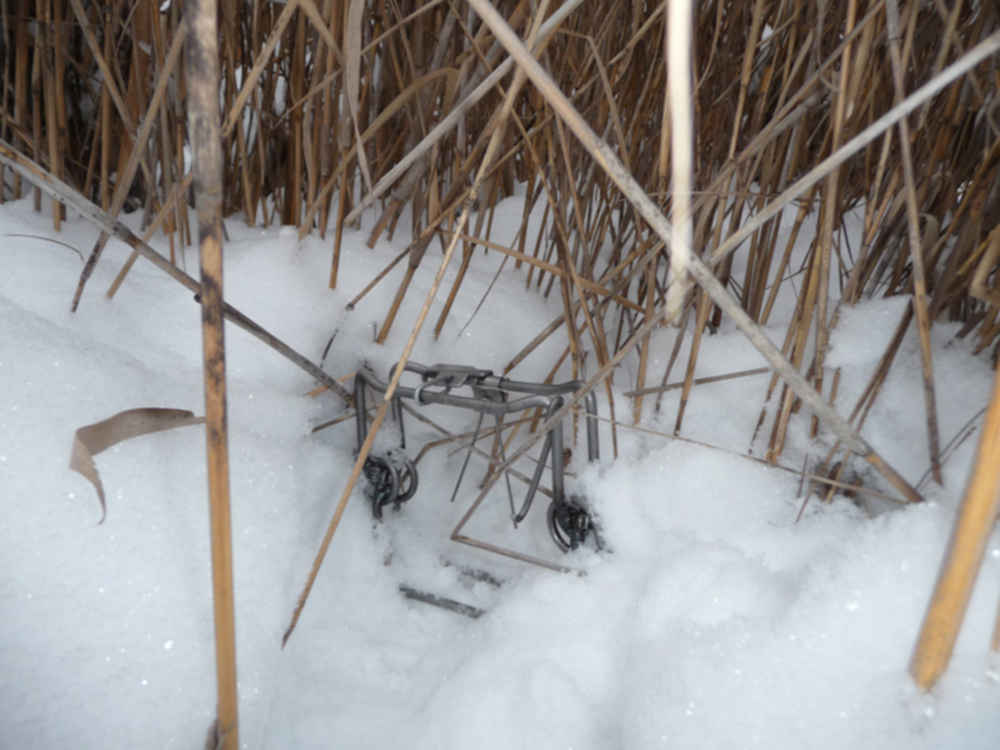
(484, 401)
(468, 454)
(452, 605)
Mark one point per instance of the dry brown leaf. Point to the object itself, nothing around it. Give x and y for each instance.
(91, 439)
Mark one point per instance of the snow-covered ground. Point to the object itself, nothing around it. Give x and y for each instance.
(716, 621)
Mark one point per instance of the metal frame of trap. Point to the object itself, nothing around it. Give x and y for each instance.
(393, 478)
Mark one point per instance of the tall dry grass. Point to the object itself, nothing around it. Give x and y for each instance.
(332, 106)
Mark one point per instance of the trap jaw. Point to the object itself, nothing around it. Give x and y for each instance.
(392, 476)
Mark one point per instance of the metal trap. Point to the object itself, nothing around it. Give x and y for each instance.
(392, 475)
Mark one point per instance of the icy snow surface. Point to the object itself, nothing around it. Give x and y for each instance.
(715, 621)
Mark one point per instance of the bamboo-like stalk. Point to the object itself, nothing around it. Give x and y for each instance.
(36, 114)
(383, 409)
(591, 287)
(417, 99)
(700, 381)
(701, 317)
(5, 82)
(701, 274)
(202, 73)
(452, 119)
(963, 557)
(45, 31)
(165, 210)
(989, 46)
(21, 79)
(916, 248)
(105, 122)
(47, 183)
(135, 159)
(829, 213)
(109, 77)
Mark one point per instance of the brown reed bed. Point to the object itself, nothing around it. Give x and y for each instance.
(330, 107)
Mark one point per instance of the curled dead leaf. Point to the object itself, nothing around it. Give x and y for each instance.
(91, 439)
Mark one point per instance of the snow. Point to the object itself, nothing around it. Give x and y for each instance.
(714, 619)
(864, 331)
